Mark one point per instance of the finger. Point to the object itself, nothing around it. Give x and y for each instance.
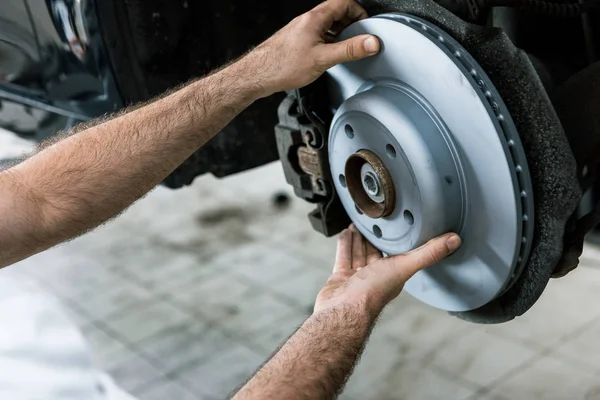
(404, 266)
(343, 11)
(355, 13)
(343, 257)
(356, 48)
(359, 256)
(335, 29)
(372, 253)
(328, 38)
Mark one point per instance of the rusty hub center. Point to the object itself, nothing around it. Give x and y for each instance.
(370, 184)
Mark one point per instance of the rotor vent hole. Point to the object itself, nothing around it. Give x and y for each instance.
(377, 231)
(585, 171)
(390, 151)
(342, 180)
(358, 210)
(349, 131)
(409, 218)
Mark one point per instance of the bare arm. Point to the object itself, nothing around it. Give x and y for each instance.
(85, 179)
(317, 360)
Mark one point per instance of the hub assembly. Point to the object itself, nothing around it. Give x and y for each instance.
(421, 144)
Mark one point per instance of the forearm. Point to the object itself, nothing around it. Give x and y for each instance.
(316, 361)
(85, 179)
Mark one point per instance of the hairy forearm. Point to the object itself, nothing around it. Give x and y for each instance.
(316, 361)
(83, 180)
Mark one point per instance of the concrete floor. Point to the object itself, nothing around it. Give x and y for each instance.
(186, 293)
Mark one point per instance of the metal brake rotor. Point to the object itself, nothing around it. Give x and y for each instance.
(421, 144)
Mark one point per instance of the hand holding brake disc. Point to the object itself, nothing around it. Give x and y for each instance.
(303, 50)
(361, 277)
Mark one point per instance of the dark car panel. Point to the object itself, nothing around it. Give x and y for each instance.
(55, 62)
(79, 59)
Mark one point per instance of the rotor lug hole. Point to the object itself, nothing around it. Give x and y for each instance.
(349, 131)
(358, 210)
(409, 218)
(390, 151)
(377, 231)
(342, 179)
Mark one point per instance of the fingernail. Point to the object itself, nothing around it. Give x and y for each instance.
(453, 242)
(371, 45)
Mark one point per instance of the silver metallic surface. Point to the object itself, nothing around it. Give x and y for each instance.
(457, 163)
(385, 113)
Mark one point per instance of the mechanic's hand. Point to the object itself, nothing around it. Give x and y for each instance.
(361, 277)
(303, 50)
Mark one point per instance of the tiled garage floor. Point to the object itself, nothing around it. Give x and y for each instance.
(185, 294)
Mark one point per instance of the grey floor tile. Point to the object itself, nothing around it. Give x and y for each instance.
(590, 256)
(302, 289)
(488, 396)
(215, 297)
(210, 233)
(411, 381)
(177, 278)
(253, 312)
(480, 357)
(73, 277)
(107, 351)
(134, 374)
(156, 266)
(102, 244)
(260, 183)
(416, 331)
(123, 294)
(164, 211)
(244, 257)
(138, 323)
(551, 378)
(223, 374)
(185, 347)
(270, 267)
(563, 308)
(394, 356)
(271, 337)
(276, 226)
(583, 347)
(313, 248)
(166, 389)
(76, 315)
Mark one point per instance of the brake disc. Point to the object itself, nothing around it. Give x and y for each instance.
(422, 144)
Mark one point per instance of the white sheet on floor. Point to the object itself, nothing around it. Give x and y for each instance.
(43, 356)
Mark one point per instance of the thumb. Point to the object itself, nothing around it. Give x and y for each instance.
(429, 254)
(351, 49)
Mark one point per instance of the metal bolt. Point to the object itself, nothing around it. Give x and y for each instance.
(371, 184)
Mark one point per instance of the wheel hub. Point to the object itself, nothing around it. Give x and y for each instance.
(422, 145)
(370, 184)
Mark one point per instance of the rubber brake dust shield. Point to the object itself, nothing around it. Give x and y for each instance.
(422, 144)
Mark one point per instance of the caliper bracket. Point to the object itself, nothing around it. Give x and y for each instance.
(302, 137)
